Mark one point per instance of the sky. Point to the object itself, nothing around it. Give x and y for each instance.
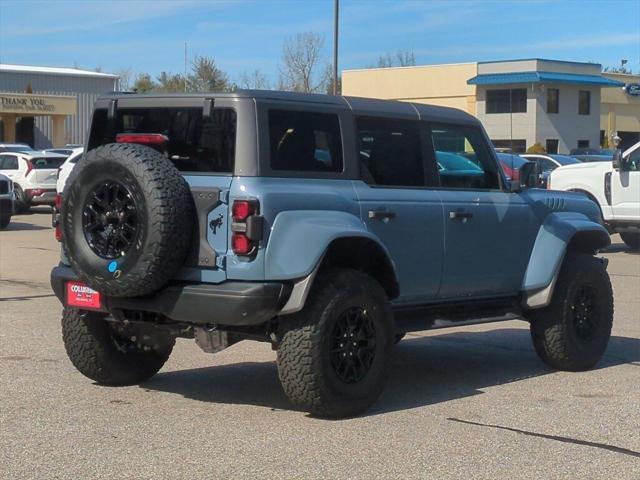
(244, 35)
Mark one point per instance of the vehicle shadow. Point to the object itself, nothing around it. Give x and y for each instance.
(23, 226)
(426, 370)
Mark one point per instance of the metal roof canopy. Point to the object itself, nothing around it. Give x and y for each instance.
(538, 77)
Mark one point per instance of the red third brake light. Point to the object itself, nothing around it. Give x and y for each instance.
(153, 140)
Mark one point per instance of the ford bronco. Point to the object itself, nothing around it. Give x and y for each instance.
(327, 226)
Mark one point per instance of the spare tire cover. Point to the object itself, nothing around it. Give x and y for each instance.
(127, 219)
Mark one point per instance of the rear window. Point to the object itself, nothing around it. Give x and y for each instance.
(42, 163)
(305, 141)
(196, 144)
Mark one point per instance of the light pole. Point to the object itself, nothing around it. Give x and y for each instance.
(335, 46)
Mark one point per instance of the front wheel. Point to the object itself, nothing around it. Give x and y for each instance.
(103, 354)
(572, 333)
(334, 355)
(632, 239)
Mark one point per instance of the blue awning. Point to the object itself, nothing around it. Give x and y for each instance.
(546, 77)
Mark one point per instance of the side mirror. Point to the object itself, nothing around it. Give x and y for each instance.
(617, 159)
(530, 177)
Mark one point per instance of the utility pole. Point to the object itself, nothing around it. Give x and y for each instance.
(335, 46)
(185, 67)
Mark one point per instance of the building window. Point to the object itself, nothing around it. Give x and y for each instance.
(553, 100)
(583, 143)
(510, 146)
(584, 102)
(506, 101)
(552, 145)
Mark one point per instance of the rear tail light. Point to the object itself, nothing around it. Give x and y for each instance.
(246, 227)
(29, 167)
(156, 141)
(55, 219)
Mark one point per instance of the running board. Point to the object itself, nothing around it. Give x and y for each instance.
(447, 315)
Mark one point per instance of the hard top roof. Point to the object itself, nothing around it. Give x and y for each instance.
(358, 105)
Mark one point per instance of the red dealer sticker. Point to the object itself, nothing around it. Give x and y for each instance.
(81, 296)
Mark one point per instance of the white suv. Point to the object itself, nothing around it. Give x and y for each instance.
(615, 188)
(34, 177)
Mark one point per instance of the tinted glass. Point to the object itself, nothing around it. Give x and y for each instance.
(505, 101)
(389, 152)
(564, 159)
(305, 141)
(42, 163)
(8, 162)
(196, 144)
(455, 143)
(18, 148)
(584, 102)
(553, 100)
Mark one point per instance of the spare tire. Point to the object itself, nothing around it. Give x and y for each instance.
(127, 219)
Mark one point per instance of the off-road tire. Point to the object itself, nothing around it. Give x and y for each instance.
(632, 239)
(21, 204)
(165, 219)
(91, 348)
(304, 363)
(4, 221)
(555, 329)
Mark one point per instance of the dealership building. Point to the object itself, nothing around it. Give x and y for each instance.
(557, 104)
(48, 107)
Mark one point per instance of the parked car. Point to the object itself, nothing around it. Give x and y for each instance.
(215, 217)
(606, 152)
(6, 201)
(16, 147)
(34, 177)
(65, 169)
(511, 164)
(61, 151)
(614, 188)
(549, 162)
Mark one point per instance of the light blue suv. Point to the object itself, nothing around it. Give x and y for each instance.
(327, 226)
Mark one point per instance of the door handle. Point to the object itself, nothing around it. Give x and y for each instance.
(382, 214)
(460, 215)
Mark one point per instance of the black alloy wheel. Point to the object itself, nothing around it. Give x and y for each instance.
(109, 220)
(585, 312)
(354, 345)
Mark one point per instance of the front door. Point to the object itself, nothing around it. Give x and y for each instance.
(397, 207)
(625, 190)
(489, 232)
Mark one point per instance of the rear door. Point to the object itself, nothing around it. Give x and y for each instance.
(9, 165)
(489, 233)
(396, 205)
(45, 171)
(201, 144)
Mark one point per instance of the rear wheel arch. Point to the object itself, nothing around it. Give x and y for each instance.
(366, 255)
(588, 241)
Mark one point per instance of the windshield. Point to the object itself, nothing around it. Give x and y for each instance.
(564, 159)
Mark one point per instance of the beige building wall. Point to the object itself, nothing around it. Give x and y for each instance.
(619, 111)
(444, 85)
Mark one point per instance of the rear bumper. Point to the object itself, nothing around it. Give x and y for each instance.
(229, 303)
(41, 196)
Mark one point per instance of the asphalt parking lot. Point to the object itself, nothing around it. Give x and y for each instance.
(472, 402)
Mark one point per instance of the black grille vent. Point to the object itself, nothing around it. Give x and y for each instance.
(4, 187)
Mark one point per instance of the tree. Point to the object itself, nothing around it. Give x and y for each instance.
(402, 58)
(170, 83)
(536, 148)
(124, 79)
(303, 64)
(254, 80)
(620, 69)
(206, 76)
(143, 84)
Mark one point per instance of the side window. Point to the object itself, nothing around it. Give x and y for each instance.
(463, 157)
(390, 152)
(546, 165)
(9, 162)
(634, 161)
(305, 141)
